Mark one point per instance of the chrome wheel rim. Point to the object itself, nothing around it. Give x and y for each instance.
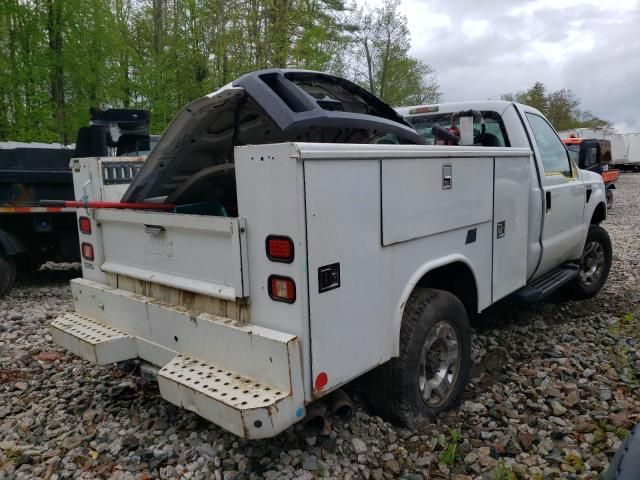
(439, 364)
(592, 264)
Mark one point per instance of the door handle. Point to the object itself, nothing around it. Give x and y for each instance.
(548, 201)
(447, 177)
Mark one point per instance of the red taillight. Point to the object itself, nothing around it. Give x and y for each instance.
(279, 248)
(87, 251)
(85, 225)
(282, 289)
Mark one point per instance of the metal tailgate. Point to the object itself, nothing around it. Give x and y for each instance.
(200, 254)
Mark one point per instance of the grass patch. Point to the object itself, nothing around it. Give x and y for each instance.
(13, 456)
(449, 455)
(600, 436)
(502, 472)
(626, 327)
(575, 462)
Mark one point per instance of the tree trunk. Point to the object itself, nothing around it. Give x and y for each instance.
(54, 30)
(157, 25)
(278, 32)
(385, 66)
(369, 65)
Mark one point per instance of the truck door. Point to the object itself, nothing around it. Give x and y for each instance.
(565, 196)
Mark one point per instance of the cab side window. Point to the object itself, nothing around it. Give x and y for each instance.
(553, 152)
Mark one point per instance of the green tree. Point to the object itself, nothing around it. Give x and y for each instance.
(562, 110)
(60, 57)
(380, 59)
(561, 107)
(536, 97)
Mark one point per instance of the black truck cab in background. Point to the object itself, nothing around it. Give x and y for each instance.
(30, 234)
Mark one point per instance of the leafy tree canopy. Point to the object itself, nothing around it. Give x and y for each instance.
(59, 57)
(561, 107)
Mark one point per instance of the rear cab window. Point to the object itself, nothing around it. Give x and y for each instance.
(494, 126)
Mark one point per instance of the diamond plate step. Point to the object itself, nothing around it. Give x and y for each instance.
(223, 397)
(91, 340)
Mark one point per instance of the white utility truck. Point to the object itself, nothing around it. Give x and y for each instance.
(313, 237)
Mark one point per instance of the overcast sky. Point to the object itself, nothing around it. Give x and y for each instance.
(481, 49)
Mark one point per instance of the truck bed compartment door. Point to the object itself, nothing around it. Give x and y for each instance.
(510, 224)
(348, 329)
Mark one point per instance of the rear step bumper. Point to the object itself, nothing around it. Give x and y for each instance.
(544, 286)
(244, 378)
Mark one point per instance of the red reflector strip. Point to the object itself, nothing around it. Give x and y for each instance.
(429, 109)
(87, 251)
(35, 209)
(280, 248)
(282, 289)
(85, 225)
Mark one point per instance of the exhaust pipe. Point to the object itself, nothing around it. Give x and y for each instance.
(315, 422)
(337, 406)
(340, 406)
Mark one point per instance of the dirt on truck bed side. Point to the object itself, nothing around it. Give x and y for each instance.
(556, 388)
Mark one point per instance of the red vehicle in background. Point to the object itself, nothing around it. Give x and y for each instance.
(594, 155)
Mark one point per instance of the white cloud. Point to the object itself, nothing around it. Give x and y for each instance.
(483, 49)
(620, 6)
(474, 28)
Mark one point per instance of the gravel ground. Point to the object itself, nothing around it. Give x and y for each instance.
(555, 389)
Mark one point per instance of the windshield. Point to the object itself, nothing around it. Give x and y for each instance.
(574, 151)
(492, 120)
(142, 148)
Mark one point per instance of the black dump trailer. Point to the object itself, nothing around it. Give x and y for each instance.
(30, 234)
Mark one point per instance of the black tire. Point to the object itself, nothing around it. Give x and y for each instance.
(586, 284)
(394, 388)
(609, 198)
(625, 464)
(7, 273)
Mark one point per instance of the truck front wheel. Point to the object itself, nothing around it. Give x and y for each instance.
(432, 370)
(595, 264)
(609, 197)
(7, 273)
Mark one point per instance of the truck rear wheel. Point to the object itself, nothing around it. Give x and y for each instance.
(432, 370)
(7, 273)
(595, 264)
